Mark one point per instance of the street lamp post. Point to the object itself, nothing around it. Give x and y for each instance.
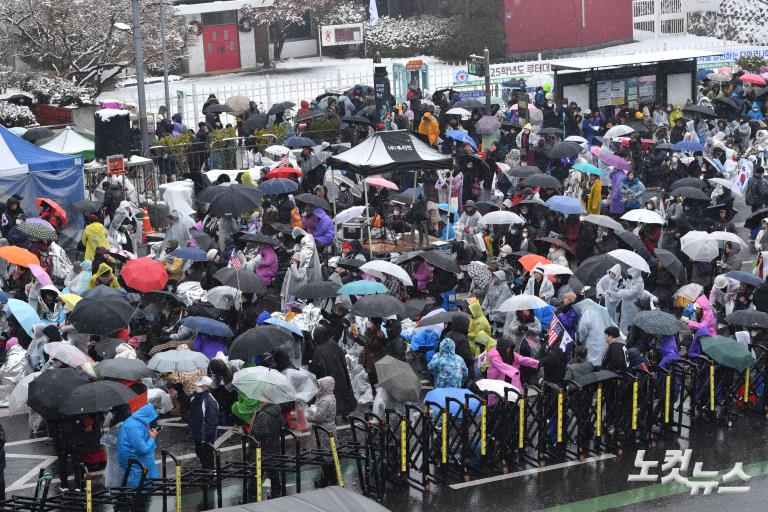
(139, 53)
(165, 58)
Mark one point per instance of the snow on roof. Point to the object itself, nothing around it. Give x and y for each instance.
(625, 60)
(224, 5)
(106, 114)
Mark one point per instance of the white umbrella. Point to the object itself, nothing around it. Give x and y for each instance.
(631, 258)
(304, 382)
(730, 185)
(438, 328)
(691, 238)
(539, 80)
(66, 353)
(378, 267)
(277, 150)
(339, 179)
(264, 384)
(499, 387)
(643, 215)
(520, 302)
(727, 236)
(702, 250)
(223, 296)
(17, 402)
(619, 130)
(577, 139)
(501, 217)
(553, 269)
(604, 221)
(690, 291)
(349, 213)
(458, 111)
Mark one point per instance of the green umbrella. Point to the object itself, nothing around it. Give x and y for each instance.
(727, 352)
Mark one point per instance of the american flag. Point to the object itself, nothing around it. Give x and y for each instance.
(555, 330)
(234, 261)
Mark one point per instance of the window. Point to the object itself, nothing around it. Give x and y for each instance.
(219, 18)
(297, 33)
(210, 48)
(231, 46)
(226, 35)
(213, 35)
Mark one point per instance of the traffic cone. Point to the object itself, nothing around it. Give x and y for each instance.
(146, 226)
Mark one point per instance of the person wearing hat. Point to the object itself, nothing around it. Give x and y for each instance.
(498, 291)
(526, 139)
(538, 286)
(470, 219)
(723, 295)
(203, 421)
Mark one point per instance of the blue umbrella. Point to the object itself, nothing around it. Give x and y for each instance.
(745, 277)
(285, 325)
(208, 326)
(689, 146)
(439, 395)
(565, 205)
(190, 253)
(277, 186)
(5, 296)
(461, 137)
(24, 314)
(587, 168)
(444, 206)
(362, 288)
(299, 142)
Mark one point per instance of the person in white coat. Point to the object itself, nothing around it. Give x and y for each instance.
(592, 324)
(557, 255)
(304, 267)
(609, 281)
(539, 286)
(633, 288)
(497, 292)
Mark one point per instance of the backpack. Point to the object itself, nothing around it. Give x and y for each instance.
(750, 198)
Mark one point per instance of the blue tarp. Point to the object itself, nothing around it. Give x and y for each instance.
(31, 172)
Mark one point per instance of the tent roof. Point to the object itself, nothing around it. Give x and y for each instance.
(604, 61)
(69, 142)
(18, 156)
(391, 151)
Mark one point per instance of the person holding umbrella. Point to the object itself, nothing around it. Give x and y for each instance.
(266, 425)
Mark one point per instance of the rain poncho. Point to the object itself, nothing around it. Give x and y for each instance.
(94, 236)
(178, 231)
(477, 324)
(546, 289)
(78, 282)
(499, 370)
(323, 230)
(633, 289)
(11, 372)
(707, 317)
(591, 331)
(495, 296)
(306, 271)
(669, 351)
(448, 368)
(103, 269)
(266, 264)
(605, 284)
(209, 345)
(323, 411)
(134, 442)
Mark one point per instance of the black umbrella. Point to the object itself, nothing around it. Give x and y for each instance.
(258, 238)
(37, 133)
(219, 108)
(749, 318)
(159, 297)
(357, 120)
(441, 260)
(87, 206)
(727, 102)
(244, 280)
(48, 391)
(551, 131)
(478, 163)
(657, 322)
(282, 228)
(300, 142)
(754, 219)
(125, 369)
(692, 193)
(235, 199)
(96, 397)
(671, 263)
(543, 180)
(688, 182)
(468, 104)
(317, 290)
(487, 206)
(595, 377)
(281, 107)
(414, 308)
(313, 200)
(107, 349)
(101, 291)
(443, 317)
(700, 110)
(524, 171)
(306, 116)
(350, 263)
(255, 122)
(202, 239)
(377, 306)
(593, 268)
(564, 150)
(260, 340)
(277, 186)
(101, 315)
(554, 241)
(399, 379)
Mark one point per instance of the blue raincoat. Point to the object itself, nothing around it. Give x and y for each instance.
(449, 369)
(134, 441)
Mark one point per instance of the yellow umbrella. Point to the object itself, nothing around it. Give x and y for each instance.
(70, 300)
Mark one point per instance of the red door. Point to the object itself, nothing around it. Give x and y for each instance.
(221, 47)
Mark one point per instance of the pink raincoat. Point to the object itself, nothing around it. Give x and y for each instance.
(267, 269)
(498, 369)
(423, 275)
(707, 319)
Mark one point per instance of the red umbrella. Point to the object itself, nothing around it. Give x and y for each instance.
(54, 206)
(144, 274)
(751, 78)
(283, 172)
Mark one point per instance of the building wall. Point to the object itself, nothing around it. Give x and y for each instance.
(195, 49)
(533, 27)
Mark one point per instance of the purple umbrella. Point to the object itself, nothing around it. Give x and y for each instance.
(42, 222)
(616, 161)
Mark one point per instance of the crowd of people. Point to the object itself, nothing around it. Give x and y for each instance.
(542, 213)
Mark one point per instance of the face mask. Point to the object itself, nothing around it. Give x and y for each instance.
(550, 104)
(369, 324)
(674, 160)
(525, 234)
(198, 389)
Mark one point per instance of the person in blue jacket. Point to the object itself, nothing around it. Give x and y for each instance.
(136, 440)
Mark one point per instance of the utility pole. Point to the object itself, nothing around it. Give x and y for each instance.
(487, 59)
(139, 52)
(165, 58)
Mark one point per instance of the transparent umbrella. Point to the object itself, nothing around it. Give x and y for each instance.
(264, 384)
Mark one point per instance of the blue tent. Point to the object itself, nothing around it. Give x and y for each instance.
(32, 172)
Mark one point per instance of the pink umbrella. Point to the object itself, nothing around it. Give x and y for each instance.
(725, 69)
(615, 161)
(378, 181)
(595, 150)
(751, 78)
(531, 108)
(41, 275)
(42, 222)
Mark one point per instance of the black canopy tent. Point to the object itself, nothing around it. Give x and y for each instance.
(389, 151)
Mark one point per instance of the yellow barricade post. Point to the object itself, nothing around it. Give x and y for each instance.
(178, 486)
(711, 387)
(560, 416)
(88, 494)
(746, 385)
(444, 438)
(339, 476)
(667, 391)
(599, 418)
(258, 472)
(483, 428)
(403, 446)
(634, 404)
(521, 424)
